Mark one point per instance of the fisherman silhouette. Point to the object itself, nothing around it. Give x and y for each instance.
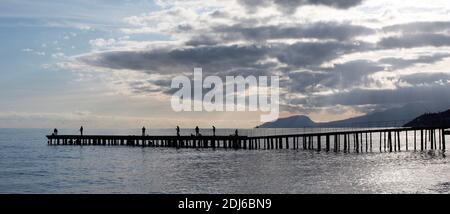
(214, 131)
(55, 132)
(178, 131)
(81, 130)
(197, 131)
(143, 131)
(236, 132)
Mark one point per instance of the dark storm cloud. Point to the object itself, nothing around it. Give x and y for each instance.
(415, 40)
(379, 97)
(426, 78)
(307, 54)
(290, 6)
(351, 74)
(419, 27)
(341, 76)
(355, 73)
(211, 58)
(220, 59)
(183, 28)
(305, 81)
(204, 40)
(319, 30)
(242, 60)
(417, 34)
(245, 60)
(249, 32)
(211, 51)
(400, 63)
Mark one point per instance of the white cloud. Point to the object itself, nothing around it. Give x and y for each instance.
(59, 55)
(32, 51)
(102, 43)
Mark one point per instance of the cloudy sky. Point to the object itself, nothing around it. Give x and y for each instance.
(109, 63)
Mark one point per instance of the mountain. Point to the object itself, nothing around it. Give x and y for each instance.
(300, 120)
(441, 119)
(390, 117)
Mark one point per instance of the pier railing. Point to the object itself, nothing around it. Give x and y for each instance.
(347, 140)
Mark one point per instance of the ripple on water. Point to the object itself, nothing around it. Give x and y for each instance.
(28, 165)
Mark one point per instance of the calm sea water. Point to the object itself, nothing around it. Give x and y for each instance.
(28, 165)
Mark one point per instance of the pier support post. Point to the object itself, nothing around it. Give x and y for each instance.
(367, 144)
(440, 139)
(421, 140)
(319, 143)
(327, 143)
(336, 139)
(432, 139)
(415, 140)
(345, 143)
(381, 139)
(390, 141)
(433, 133)
(406, 137)
(304, 142)
(443, 140)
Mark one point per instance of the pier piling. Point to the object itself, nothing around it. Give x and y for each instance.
(362, 140)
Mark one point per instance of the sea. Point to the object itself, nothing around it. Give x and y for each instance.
(29, 165)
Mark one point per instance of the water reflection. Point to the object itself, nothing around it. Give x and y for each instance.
(28, 165)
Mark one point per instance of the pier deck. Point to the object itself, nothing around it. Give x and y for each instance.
(362, 140)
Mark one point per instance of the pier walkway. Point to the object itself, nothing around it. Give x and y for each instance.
(361, 140)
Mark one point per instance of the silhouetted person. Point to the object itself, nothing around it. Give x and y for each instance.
(236, 132)
(178, 131)
(143, 131)
(197, 131)
(55, 132)
(214, 131)
(81, 130)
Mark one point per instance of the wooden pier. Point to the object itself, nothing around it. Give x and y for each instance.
(364, 140)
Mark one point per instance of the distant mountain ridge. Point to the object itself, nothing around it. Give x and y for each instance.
(441, 119)
(390, 117)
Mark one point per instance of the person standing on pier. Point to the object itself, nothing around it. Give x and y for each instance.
(143, 131)
(197, 131)
(178, 131)
(214, 130)
(236, 132)
(55, 132)
(81, 130)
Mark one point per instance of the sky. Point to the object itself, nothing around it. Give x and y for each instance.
(109, 63)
